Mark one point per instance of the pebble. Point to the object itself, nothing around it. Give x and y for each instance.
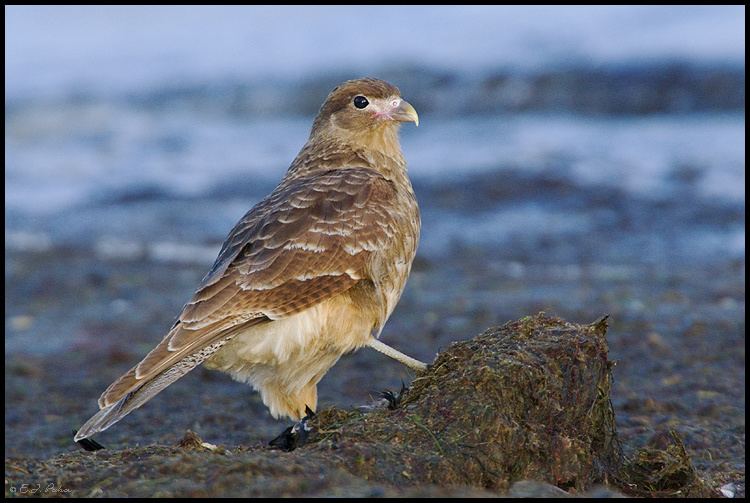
(21, 322)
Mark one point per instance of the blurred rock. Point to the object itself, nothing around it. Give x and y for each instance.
(535, 489)
(663, 469)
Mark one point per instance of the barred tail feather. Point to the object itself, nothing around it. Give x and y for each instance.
(113, 413)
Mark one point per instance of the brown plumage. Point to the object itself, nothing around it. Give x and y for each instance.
(310, 273)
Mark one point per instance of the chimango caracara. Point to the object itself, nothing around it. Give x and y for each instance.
(310, 273)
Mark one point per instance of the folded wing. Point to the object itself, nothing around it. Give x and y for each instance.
(309, 240)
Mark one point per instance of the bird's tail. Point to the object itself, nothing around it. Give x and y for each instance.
(113, 413)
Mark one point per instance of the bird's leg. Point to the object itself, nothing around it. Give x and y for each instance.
(295, 435)
(396, 355)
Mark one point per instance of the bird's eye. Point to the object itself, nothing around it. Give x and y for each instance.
(360, 102)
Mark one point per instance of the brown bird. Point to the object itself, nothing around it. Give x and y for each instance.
(310, 273)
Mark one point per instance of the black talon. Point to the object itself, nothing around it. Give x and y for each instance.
(287, 441)
(89, 444)
(295, 435)
(394, 400)
(309, 413)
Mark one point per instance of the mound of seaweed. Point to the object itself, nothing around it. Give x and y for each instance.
(528, 400)
(520, 409)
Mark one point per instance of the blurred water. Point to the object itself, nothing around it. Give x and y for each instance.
(111, 105)
(59, 159)
(53, 50)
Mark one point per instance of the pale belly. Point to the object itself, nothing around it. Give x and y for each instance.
(285, 359)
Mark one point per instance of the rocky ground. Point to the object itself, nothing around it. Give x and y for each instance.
(522, 409)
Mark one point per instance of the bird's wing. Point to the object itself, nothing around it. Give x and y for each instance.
(306, 242)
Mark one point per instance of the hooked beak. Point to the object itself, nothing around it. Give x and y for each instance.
(404, 112)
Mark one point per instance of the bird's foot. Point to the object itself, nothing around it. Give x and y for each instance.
(393, 399)
(295, 435)
(89, 444)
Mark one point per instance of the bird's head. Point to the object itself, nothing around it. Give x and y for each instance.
(363, 106)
